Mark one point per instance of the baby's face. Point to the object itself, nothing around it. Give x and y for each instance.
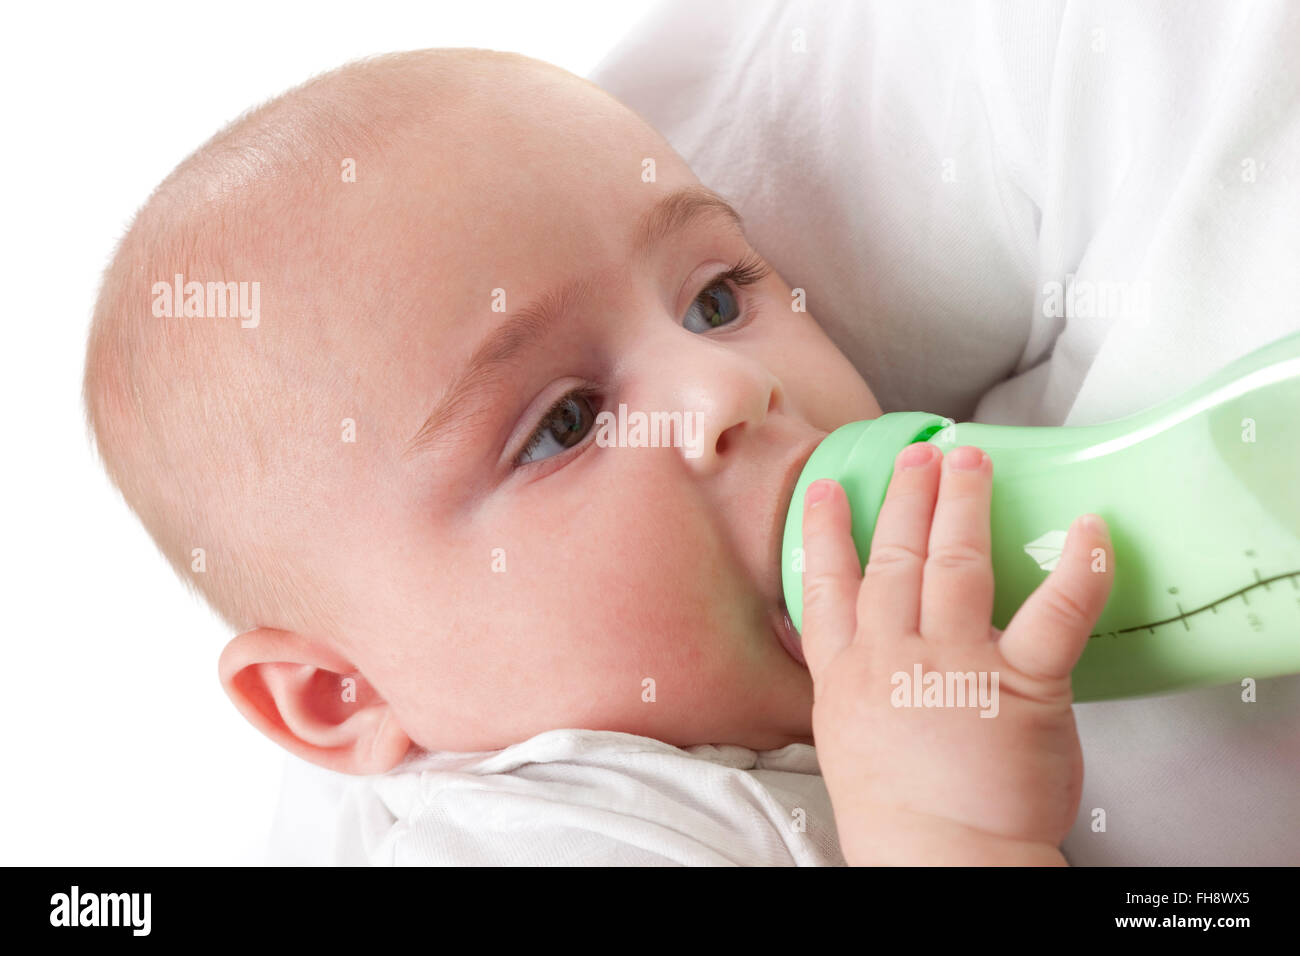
(506, 569)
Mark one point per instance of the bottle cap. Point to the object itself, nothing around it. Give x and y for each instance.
(860, 456)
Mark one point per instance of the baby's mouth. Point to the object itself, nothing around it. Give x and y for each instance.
(787, 635)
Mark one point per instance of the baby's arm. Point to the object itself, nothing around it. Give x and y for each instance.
(997, 781)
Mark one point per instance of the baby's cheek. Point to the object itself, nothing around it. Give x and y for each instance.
(823, 384)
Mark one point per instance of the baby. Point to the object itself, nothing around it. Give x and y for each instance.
(350, 366)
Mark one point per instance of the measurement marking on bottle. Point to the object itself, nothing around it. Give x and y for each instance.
(1182, 615)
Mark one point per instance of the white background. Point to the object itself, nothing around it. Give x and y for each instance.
(117, 744)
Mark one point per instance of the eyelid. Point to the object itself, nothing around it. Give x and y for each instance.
(750, 262)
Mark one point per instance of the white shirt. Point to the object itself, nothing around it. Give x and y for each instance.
(586, 797)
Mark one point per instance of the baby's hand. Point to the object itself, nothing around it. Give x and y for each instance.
(924, 784)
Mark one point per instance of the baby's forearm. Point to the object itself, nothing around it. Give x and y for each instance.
(895, 837)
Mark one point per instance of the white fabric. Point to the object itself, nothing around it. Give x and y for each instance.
(924, 170)
(586, 797)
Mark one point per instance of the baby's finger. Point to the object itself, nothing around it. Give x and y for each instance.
(1046, 636)
(957, 594)
(831, 575)
(891, 586)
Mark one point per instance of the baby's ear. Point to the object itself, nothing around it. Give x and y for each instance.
(312, 702)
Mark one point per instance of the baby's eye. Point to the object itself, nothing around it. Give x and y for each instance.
(566, 424)
(717, 305)
(713, 307)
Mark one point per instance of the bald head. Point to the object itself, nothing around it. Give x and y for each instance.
(217, 430)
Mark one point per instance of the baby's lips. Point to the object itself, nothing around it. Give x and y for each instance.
(789, 637)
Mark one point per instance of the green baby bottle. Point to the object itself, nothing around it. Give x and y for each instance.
(1202, 497)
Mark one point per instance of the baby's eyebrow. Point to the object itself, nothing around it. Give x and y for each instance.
(675, 212)
(527, 328)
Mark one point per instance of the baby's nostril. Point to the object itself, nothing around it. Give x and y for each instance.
(724, 440)
(774, 400)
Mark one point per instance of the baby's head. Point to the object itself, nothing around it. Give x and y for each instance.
(389, 475)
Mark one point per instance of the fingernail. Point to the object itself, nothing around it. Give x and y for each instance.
(916, 454)
(817, 492)
(966, 458)
(1094, 524)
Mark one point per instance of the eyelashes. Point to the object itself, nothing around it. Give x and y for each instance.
(747, 271)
